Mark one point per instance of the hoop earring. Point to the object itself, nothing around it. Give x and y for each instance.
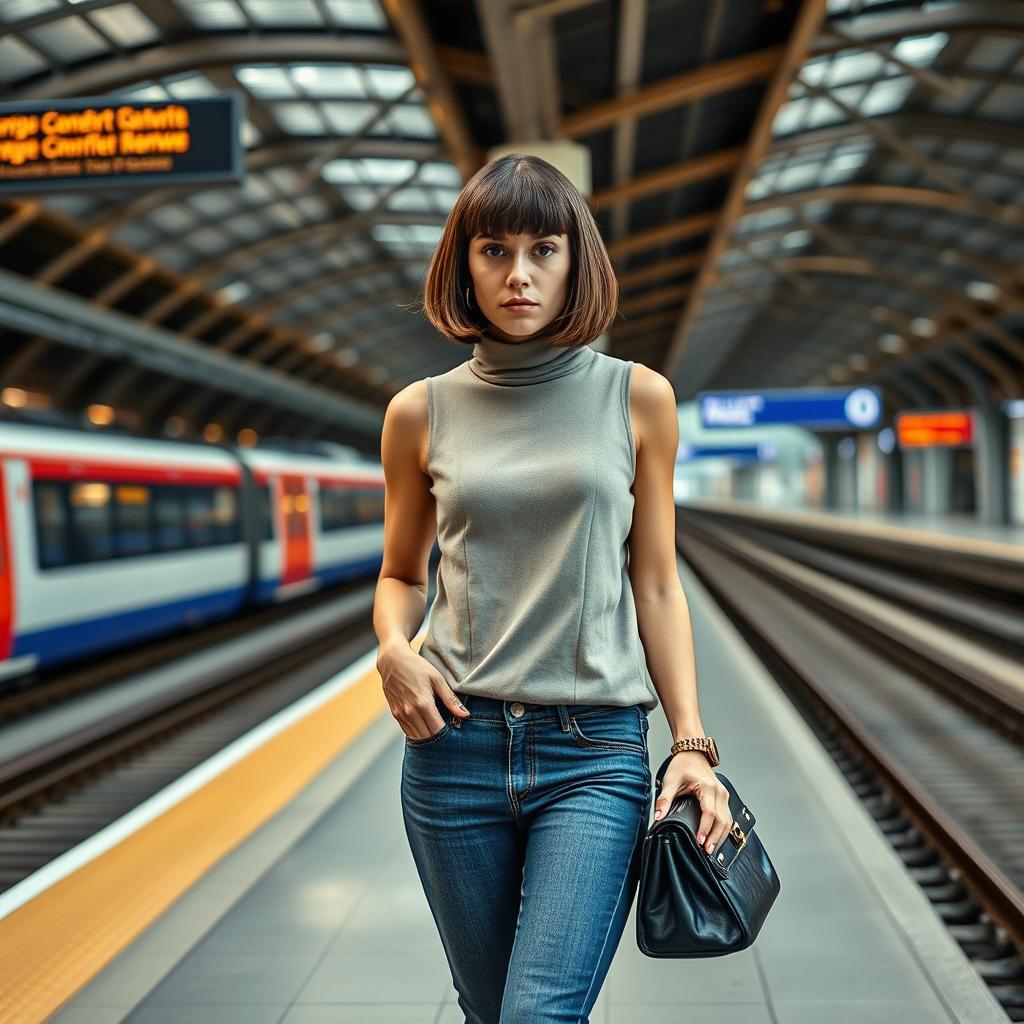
(468, 303)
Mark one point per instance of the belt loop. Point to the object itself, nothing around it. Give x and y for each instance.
(563, 716)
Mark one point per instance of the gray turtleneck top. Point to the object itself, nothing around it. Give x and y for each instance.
(531, 458)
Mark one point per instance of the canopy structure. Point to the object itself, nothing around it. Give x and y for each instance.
(792, 193)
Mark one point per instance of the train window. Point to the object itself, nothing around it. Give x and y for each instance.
(91, 519)
(86, 521)
(334, 508)
(369, 505)
(169, 517)
(133, 506)
(225, 515)
(342, 506)
(200, 516)
(53, 545)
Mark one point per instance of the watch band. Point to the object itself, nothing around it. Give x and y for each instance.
(705, 744)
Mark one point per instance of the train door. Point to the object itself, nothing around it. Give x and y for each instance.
(295, 532)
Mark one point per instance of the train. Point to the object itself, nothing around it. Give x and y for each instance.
(108, 539)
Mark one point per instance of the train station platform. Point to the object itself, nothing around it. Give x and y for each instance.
(319, 916)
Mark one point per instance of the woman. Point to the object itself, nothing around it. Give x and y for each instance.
(526, 783)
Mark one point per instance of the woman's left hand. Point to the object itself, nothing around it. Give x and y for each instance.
(689, 772)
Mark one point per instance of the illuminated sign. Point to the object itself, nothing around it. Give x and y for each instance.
(932, 429)
(111, 141)
(824, 408)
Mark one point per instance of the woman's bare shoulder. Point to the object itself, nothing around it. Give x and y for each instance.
(408, 414)
(652, 402)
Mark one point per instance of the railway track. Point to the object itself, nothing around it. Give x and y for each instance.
(928, 733)
(56, 795)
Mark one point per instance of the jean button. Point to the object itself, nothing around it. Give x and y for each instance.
(517, 710)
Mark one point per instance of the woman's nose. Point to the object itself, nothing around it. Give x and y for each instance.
(517, 274)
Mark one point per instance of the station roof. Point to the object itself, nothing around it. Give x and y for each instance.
(792, 193)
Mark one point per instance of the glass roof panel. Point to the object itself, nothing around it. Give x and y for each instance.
(434, 172)
(407, 119)
(125, 24)
(17, 10)
(886, 96)
(358, 13)
(358, 197)
(18, 60)
(333, 80)
(921, 49)
(348, 118)
(367, 170)
(135, 235)
(193, 85)
(298, 118)
(68, 40)
(209, 240)
(409, 199)
(854, 66)
(173, 218)
(851, 6)
(390, 82)
(398, 238)
(266, 81)
(788, 118)
(213, 14)
(283, 13)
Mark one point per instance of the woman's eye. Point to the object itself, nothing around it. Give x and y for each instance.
(544, 245)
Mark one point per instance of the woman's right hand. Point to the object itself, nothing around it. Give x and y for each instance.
(410, 685)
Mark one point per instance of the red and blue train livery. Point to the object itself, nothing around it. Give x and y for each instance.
(106, 540)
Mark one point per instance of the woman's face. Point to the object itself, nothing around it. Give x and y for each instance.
(510, 267)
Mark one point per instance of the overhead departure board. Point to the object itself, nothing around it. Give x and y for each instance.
(944, 428)
(113, 141)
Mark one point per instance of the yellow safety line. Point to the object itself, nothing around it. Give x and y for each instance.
(62, 938)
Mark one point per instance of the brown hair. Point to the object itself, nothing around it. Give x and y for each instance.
(519, 194)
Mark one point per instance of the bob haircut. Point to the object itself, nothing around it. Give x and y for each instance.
(519, 194)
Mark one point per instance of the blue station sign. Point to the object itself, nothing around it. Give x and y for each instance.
(820, 408)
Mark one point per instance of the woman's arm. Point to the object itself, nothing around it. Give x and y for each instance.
(662, 613)
(410, 526)
(663, 616)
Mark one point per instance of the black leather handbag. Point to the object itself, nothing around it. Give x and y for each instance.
(694, 904)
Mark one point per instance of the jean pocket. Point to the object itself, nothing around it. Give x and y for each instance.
(426, 741)
(618, 728)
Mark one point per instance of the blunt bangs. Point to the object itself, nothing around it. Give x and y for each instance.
(517, 204)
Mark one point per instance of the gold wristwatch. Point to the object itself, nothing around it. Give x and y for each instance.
(705, 744)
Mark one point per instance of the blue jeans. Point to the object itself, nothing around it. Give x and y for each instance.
(526, 823)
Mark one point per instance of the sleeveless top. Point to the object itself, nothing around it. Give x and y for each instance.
(531, 458)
